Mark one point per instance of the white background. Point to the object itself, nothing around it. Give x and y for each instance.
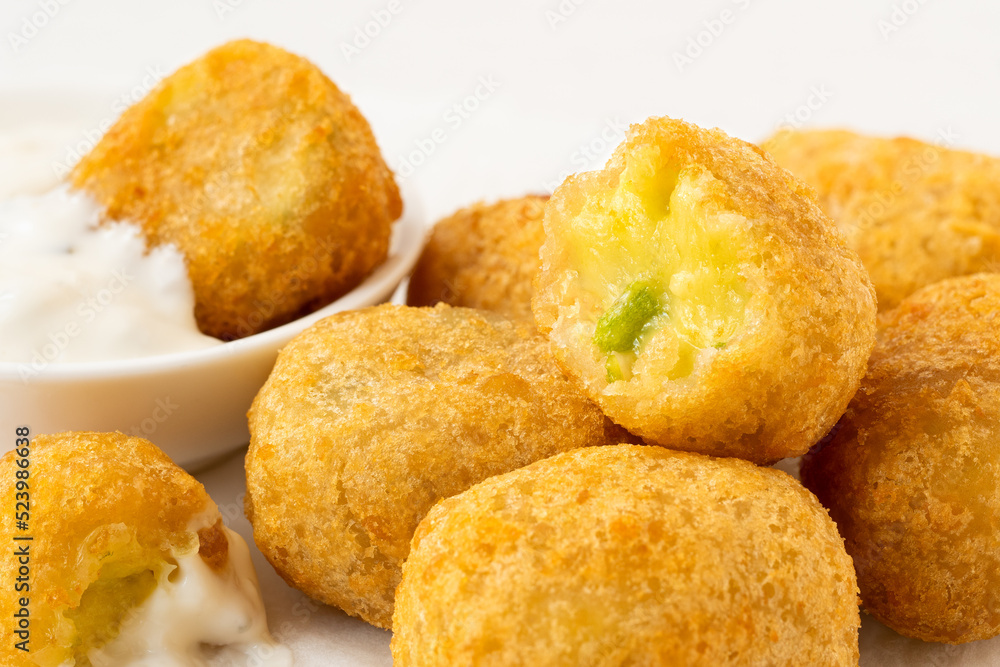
(566, 76)
(561, 82)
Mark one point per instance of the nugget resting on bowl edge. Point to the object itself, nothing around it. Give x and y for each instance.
(372, 416)
(264, 175)
(702, 299)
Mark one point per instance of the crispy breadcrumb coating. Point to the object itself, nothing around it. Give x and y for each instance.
(912, 477)
(484, 256)
(108, 514)
(916, 213)
(702, 298)
(264, 175)
(628, 555)
(370, 417)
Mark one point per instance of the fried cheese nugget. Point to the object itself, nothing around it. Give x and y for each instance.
(264, 175)
(484, 256)
(128, 559)
(372, 416)
(702, 298)
(917, 213)
(628, 555)
(912, 477)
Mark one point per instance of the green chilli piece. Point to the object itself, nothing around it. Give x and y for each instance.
(621, 324)
(613, 368)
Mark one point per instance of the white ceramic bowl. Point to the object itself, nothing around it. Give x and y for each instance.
(191, 404)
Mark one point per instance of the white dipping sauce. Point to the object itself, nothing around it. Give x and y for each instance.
(72, 291)
(196, 616)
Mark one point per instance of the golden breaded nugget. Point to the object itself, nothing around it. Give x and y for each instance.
(628, 555)
(912, 477)
(702, 298)
(916, 213)
(114, 524)
(262, 173)
(484, 256)
(372, 416)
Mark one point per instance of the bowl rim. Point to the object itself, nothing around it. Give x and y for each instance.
(405, 247)
(406, 244)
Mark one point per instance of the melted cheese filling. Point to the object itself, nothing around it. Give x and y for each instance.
(198, 617)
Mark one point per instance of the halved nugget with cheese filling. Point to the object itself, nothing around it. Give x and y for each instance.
(128, 561)
(701, 297)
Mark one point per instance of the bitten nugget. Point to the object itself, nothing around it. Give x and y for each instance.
(262, 173)
(702, 298)
(128, 561)
(912, 477)
(372, 416)
(484, 256)
(916, 213)
(628, 555)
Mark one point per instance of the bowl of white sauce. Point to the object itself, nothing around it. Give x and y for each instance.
(98, 334)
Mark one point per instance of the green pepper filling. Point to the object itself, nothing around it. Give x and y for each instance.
(665, 248)
(620, 325)
(616, 368)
